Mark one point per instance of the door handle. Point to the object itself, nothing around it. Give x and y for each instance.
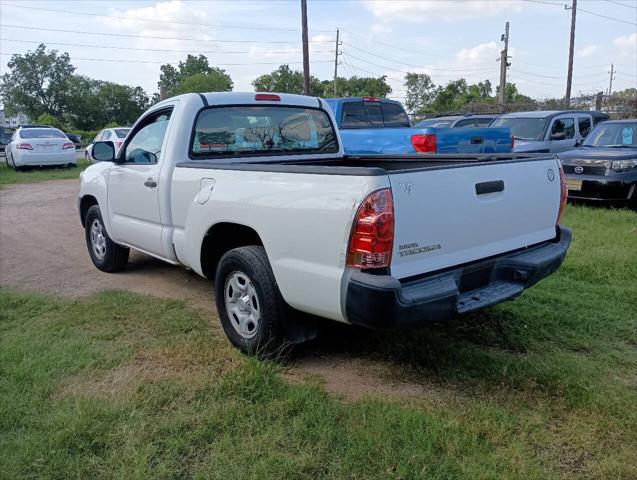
(477, 140)
(489, 187)
(150, 183)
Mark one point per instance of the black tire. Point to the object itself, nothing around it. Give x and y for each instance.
(115, 257)
(267, 338)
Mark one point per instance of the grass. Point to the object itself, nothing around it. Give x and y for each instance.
(124, 386)
(9, 176)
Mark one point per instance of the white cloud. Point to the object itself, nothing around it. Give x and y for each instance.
(628, 42)
(436, 10)
(587, 51)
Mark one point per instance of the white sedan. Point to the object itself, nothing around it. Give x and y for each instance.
(116, 135)
(39, 146)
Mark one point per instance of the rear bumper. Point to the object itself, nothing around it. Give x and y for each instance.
(382, 302)
(37, 158)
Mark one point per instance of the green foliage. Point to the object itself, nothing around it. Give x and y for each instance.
(286, 80)
(48, 119)
(421, 91)
(44, 83)
(37, 83)
(119, 385)
(358, 87)
(215, 81)
(193, 75)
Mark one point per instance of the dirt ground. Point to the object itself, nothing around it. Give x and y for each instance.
(42, 248)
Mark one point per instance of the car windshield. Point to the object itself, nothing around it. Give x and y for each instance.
(41, 133)
(122, 132)
(434, 123)
(523, 128)
(613, 135)
(249, 130)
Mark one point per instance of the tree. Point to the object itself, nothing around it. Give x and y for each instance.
(357, 87)
(216, 81)
(420, 92)
(511, 94)
(171, 78)
(286, 80)
(37, 83)
(50, 120)
(95, 103)
(451, 97)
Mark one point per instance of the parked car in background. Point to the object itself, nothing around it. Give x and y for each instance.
(5, 137)
(549, 131)
(115, 135)
(374, 125)
(604, 167)
(39, 146)
(76, 139)
(465, 120)
(254, 190)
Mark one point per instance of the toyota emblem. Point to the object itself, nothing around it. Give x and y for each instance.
(579, 169)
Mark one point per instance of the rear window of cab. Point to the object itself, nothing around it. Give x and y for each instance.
(262, 130)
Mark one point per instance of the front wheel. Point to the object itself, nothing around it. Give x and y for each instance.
(105, 254)
(249, 303)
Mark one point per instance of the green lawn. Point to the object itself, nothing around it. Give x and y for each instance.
(9, 176)
(125, 386)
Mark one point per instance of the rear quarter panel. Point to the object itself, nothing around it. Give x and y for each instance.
(304, 221)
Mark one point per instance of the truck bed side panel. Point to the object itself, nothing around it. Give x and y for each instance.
(303, 220)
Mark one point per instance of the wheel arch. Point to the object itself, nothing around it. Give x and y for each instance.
(86, 202)
(222, 237)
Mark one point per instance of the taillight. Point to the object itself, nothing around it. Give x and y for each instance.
(563, 196)
(118, 144)
(424, 143)
(372, 237)
(270, 97)
(512, 144)
(371, 99)
(24, 146)
(67, 146)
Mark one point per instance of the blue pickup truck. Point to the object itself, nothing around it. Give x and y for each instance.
(374, 125)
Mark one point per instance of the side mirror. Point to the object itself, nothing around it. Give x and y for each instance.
(558, 136)
(103, 152)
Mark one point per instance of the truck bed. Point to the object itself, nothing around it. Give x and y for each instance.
(367, 165)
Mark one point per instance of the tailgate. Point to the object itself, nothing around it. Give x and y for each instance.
(473, 140)
(449, 216)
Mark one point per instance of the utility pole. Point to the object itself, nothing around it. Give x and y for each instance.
(610, 86)
(504, 57)
(306, 53)
(336, 64)
(571, 48)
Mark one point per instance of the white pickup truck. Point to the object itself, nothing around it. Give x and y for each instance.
(254, 192)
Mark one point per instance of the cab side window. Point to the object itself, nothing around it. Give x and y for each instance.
(467, 123)
(145, 144)
(563, 128)
(584, 124)
(98, 137)
(107, 135)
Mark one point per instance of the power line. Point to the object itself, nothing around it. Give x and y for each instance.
(173, 63)
(556, 4)
(411, 64)
(391, 68)
(158, 49)
(622, 4)
(151, 37)
(606, 17)
(122, 17)
(419, 52)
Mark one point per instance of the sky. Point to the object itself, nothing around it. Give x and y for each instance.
(126, 41)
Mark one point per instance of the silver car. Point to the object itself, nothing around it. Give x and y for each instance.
(549, 131)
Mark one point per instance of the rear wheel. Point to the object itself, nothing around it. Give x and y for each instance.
(249, 303)
(105, 254)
